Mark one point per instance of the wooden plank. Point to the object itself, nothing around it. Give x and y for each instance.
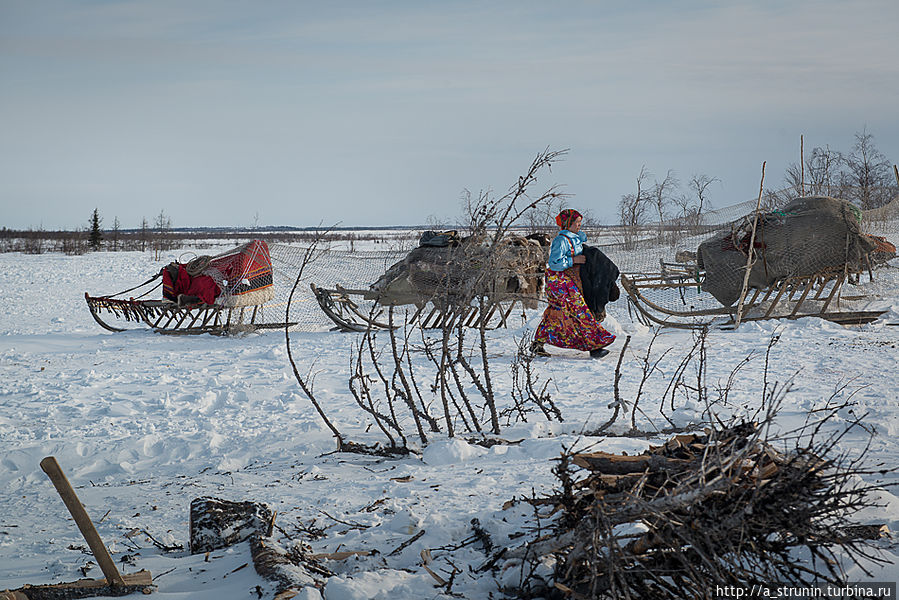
(140, 581)
(861, 317)
(140, 578)
(342, 555)
(70, 499)
(853, 318)
(617, 464)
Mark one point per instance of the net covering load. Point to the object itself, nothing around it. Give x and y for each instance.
(807, 236)
(473, 268)
(668, 252)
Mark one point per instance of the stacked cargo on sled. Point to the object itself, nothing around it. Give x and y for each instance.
(799, 259)
(219, 294)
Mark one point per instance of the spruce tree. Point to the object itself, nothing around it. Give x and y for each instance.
(96, 234)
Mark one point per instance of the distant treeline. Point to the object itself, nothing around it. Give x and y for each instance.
(38, 241)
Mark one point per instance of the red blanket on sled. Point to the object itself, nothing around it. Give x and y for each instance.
(245, 269)
(201, 286)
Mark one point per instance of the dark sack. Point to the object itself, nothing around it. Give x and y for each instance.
(439, 239)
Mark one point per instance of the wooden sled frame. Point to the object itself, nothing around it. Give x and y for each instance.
(786, 299)
(339, 306)
(167, 317)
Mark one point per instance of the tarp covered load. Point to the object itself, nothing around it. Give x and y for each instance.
(807, 236)
(239, 277)
(443, 273)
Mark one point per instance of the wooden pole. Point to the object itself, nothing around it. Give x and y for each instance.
(802, 165)
(749, 261)
(70, 499)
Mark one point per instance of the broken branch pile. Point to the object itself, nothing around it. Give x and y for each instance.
(702, 510)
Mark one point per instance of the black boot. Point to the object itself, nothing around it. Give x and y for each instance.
(598, 353)
(537, 349)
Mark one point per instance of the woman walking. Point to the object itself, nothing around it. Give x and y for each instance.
(567, 322)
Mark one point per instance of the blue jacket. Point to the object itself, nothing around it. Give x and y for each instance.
(564, 248)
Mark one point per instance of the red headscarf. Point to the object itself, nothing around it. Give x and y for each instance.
(568, 216)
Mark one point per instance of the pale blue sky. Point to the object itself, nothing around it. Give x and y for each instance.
(381, 113)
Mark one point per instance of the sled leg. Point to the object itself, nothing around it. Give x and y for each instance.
(209, 315)
(838, 282)
(171, 313)
(805, 292)
(197, 315)
(417, 313)
(183, 318)
(489, 315)
(783, 287)
(504, 316)
(426, 324)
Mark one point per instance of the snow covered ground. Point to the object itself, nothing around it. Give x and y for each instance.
(143, 423)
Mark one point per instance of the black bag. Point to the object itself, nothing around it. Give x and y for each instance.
(439, 239)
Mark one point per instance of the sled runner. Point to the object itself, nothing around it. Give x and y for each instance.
(817, 295)
(165, 316)
(347, 314)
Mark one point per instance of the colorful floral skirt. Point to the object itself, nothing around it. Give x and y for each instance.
(567, 322)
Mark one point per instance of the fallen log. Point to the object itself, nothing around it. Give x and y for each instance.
(286, 571)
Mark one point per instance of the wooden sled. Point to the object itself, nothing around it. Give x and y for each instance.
(238, 283)
(167, 317)
(814, 295)
(339, 306)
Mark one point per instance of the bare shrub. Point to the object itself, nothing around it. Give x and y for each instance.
(453, 391)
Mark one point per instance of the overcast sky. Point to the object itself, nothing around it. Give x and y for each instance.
(379, 113)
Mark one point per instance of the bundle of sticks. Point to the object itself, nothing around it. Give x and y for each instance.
(717, 508)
